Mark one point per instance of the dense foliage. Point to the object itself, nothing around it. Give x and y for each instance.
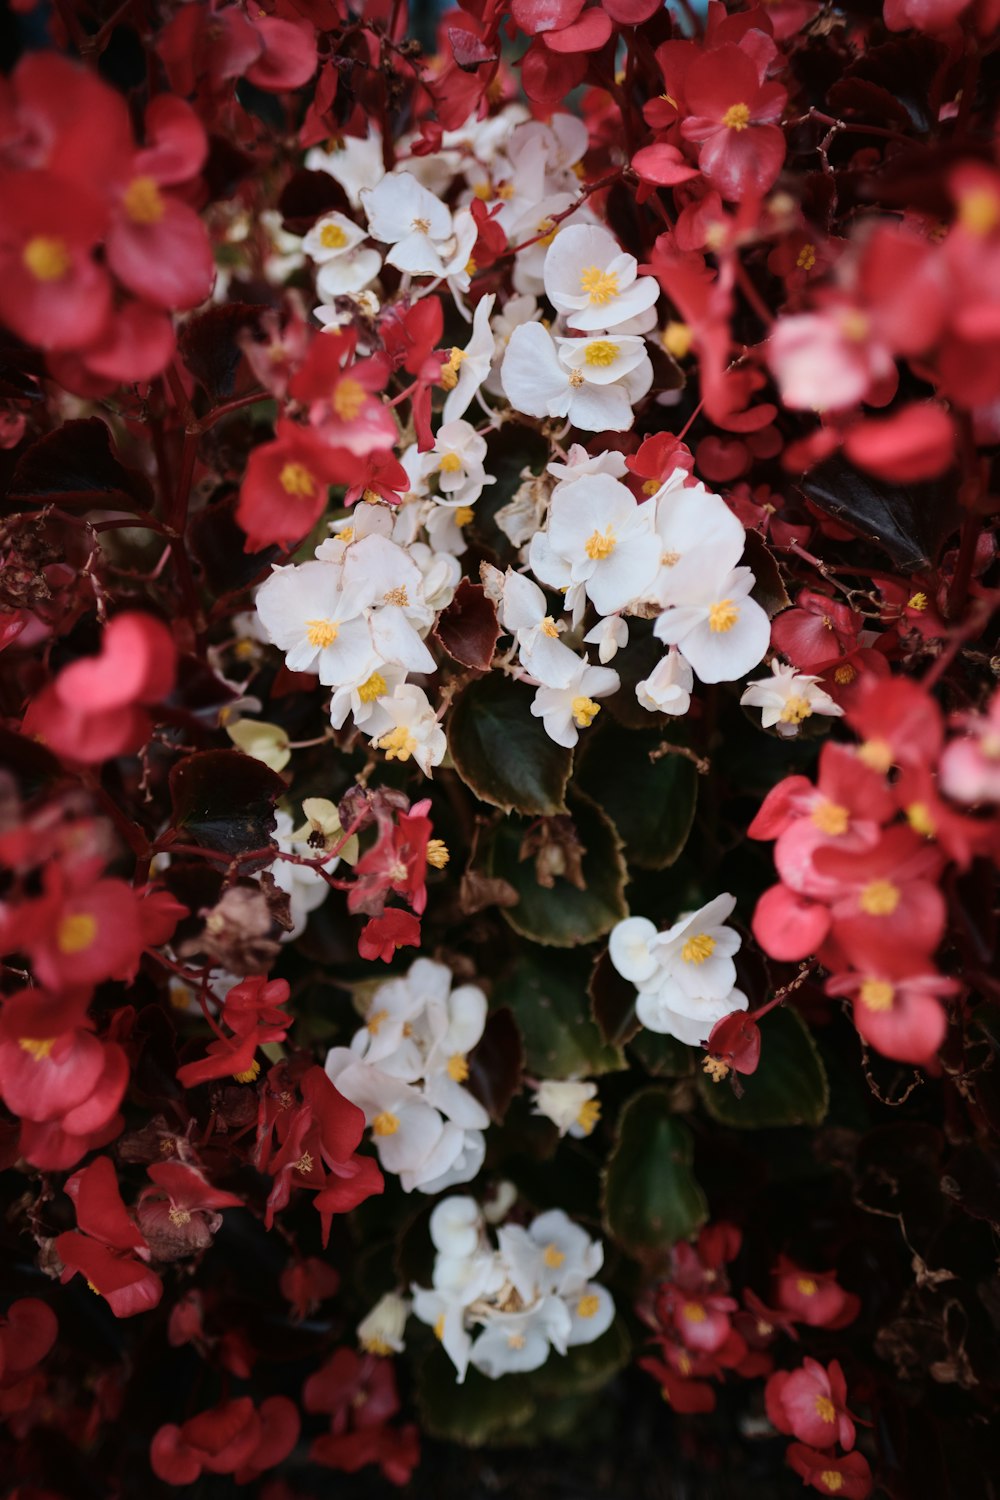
(500, 756)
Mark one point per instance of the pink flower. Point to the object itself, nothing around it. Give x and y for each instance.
(732, 115)
(811, 1404)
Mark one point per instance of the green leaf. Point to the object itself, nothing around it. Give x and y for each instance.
(562, 915)
(547, 993)
(479, 1411)
(651, 1195)
(502, 753)
(789, 1087)
(663, 1056)
(650, 802)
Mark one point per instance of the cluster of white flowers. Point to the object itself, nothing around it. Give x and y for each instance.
(505, 1308)
(685, 977)
(406, 1068)
(356, 616)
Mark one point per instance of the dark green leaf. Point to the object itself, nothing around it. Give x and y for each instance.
(650, 802)
(651, 1196)
(663, 1056)
(547, 993)
(612, 1003)
(909, 522)
(563, 915)
(789, 1087)
(476, 1412)
(224, 800)
(502, 753)
(495, 1064)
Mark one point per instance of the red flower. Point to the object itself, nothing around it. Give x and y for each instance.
(813, 1297)
(394, 929)
(157, 245)
(886, 907)
(285, 488)
(359, 1394)
(848, 1478)
(689, 1397)
(897, 1008)
(53, 293)
(27, 1332)
(232, 1438)
(307, 1283)
(177, 1215)
(341, 395)
(252, 1011)
(811, 1404)
(107, 1248)
(731, 115)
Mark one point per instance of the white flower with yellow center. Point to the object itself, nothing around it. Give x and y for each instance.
(579, 462)
(468, 367)
(363, 700)
(418, 226)
(688, 1018)
(720, 630)
(696, 953)
(415, 732)
(667, 689)
(609, 635)
(399, 611)
(411, 1138)
(787, 698)
(518, 1342)
(315, 617)
(524, 613)
(600, 539)
(456, 462)
(346, 276)
(698, 535)
(594, 382)
(305, 887)
(331, 237)
(572, 1106)
(381, 1330)
(567, 700)
(593, 282)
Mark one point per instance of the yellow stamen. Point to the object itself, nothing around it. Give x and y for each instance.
(694, 1312)
(77, 932)
(795, 710)
(553, 1257)
(585, 711)
(373, 688)
(178, 1217)
(385, 1123)
(716, 1069)
(880, 898)
(398, 744)
(374, 1022)
(295, 479)
(398, 596)
(449, 371)
(979, 211)
(305, 1163)
(348, 398)
(833, 1480)
(844, 675)
(549, 627)
(458, 1068)
(677, 339)
(463, 515)
(589, 1114)
(698, 948)
(600, 286)
(737, 117)
(807, 1286)
(47, 257)
(588, 1306)
(722, 616)
(249, 1075)
(332, 237)
(830, 818)
(600, 545)
(437, 853)
(917, 601)
(918, 815)
(825, 1409)
(602, 352)
(876, 994)
(876, 755)
(548, 229)
(439, 1327)
(322, 633)
(38, 1047)
(143, 201)
(806, 258)
(450, 463)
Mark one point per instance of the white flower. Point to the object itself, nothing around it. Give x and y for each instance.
(316, 617)
(363, 700)
(593, 281)
(520, 1341)
(631, 949)
(565, 703)
(465, 1166)
(381, 1330)
(595, 382)
(720, 630)
(456, 1227)
(415, 730)
(305, 887)
(667, 689)
(332, 237)
(579, 462)
(446, 1315)
(356, 163)
(570, 1105)
(346, 275)
(696, 953)
(467, 368)
(601, 538)
(787, 697)
(524, 613)
(689, 1020)
(411, 1138)
(395, 590)
(698, 535)
(609, 636)
(457, 460)
(515, 311)
(418, 226)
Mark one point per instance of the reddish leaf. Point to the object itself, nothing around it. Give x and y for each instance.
(468, 628)
(77, 466)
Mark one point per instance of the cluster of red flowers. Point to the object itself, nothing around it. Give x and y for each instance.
(861, 856)
(702, 1332)
(358, 1393)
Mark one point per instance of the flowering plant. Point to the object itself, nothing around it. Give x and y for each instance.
(500, 744)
